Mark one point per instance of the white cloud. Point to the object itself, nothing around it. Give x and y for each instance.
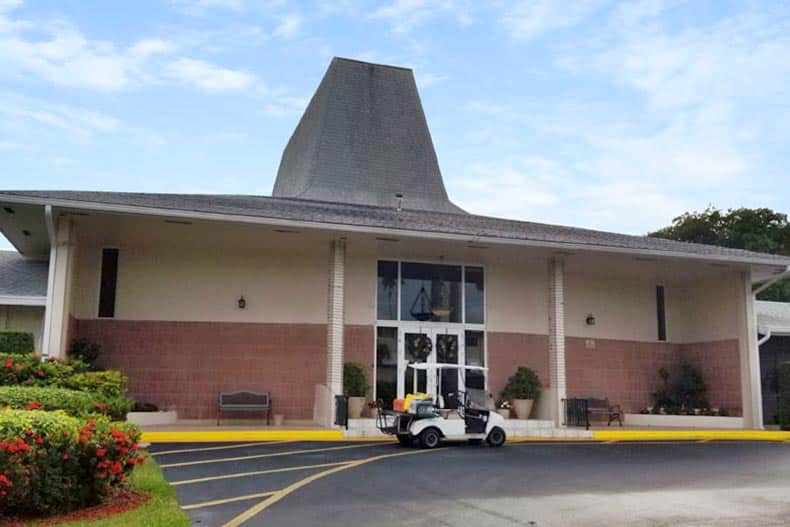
(405, 15)
(289, 25)
(21, 112)
(209, 77)
(530, 19)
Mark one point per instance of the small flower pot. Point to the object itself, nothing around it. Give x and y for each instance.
(523, 408)
(279, 419)
(504, 412)
(355, 407)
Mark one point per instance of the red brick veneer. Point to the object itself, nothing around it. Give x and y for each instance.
(626, 372)
(358, 347)
(508, 351)
(185, 364)
(720, 364)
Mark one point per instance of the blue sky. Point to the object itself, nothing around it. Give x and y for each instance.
(616, 116)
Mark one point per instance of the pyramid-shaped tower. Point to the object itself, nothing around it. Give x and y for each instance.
(364, 139)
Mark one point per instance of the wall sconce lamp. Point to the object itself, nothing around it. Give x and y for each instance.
(590, 320)
(242, 302)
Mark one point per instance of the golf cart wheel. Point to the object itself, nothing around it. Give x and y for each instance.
(496, 437)
(430, 438)
(475, 441)
(405, 440)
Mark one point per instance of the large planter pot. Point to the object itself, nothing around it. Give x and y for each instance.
(504, 412)
(355, 407)
(523, 408)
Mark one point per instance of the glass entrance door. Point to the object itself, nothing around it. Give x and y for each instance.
(435, 345)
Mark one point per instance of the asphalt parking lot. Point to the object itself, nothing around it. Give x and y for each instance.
(542, 484)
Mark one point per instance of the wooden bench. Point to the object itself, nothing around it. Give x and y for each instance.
(579, 410)
(245, 401)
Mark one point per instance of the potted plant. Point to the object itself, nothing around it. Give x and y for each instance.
(503, 408)
(522, 389)
(355, 387)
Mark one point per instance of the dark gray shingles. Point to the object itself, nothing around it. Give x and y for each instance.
(363, 139)
(20, 276)
(345, 214)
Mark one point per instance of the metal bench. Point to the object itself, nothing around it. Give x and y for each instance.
(245, 401)
(579, 410)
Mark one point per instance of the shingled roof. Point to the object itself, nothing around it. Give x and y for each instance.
(364, 139)
(317, 213)
(20, 276)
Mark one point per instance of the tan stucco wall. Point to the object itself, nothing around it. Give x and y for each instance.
(172, 283)
(625, 307)
(708, 310)
(23, 318)
(517, 297)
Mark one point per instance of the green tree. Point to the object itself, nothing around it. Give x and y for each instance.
(762, 230)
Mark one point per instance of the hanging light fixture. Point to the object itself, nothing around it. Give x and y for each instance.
(441, 308)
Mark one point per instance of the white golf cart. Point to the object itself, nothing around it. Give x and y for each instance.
(428, 419)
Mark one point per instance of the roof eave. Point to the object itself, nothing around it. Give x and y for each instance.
(281, 222)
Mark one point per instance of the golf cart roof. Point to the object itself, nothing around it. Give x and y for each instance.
(443, 366)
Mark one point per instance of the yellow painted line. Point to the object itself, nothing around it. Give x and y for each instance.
(218, 436)
(256, 473)
(227, 447)
(226, 500)
(282, 493)
(260, 456)
(690, 435)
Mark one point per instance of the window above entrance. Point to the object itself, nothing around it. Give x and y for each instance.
(426, 292)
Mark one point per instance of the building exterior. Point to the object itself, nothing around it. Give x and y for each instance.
(773, 328)
(359, 255)
(23, 294)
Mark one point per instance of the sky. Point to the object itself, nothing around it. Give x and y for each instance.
(617, 116)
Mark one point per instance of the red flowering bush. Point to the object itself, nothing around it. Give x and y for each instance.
(51, 462)
(31, 371)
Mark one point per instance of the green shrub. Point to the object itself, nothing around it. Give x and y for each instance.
(354, 382)
(84, 350)
(783, 406)
(110, 383)
(51, 462)
(30, 370)
(73, 402)
(524, 384)
(17, 342)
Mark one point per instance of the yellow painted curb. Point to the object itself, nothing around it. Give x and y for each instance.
(690, 435)
(219, 436)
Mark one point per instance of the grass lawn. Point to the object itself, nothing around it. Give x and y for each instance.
(161, 509)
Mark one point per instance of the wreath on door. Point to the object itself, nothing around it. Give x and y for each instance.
(421, 347)
(448, 347)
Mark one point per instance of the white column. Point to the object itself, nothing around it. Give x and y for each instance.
(749, 354)
(57, 309)
(557, 338)
(334, 341)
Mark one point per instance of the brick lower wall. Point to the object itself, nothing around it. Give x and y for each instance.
(626, 372)
(186, 364)
(358, 347)
(720, 364)
(508, 351)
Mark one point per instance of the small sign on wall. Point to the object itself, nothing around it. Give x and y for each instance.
(589, 344)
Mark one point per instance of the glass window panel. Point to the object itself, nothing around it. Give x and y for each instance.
(387, 296)
(430, 292)
(475, 356)
(474, 295)
(386, 365)
(447, 353)
(418, 347)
